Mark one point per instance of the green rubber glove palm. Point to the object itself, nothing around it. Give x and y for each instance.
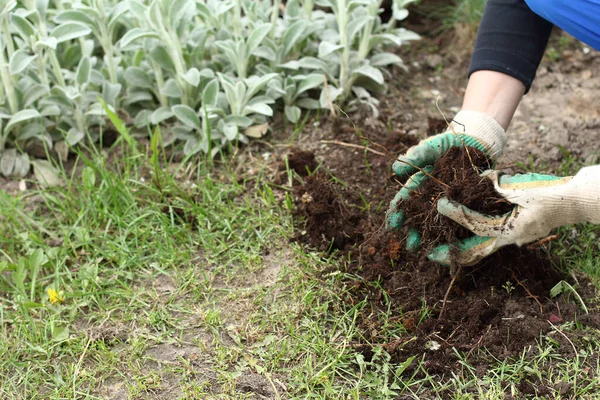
(468, 128)
(541, 203)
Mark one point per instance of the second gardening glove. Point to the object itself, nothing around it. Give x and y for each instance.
(469, 128)
(541, 203)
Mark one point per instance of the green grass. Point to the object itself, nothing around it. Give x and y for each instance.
(219, 306)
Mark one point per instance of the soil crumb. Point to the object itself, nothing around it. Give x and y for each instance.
(502, 306)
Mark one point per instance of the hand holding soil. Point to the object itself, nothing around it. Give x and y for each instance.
(459, 215)
(542, 203)
(469, 129)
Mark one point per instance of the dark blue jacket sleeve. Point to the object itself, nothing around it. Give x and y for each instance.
(511, 39)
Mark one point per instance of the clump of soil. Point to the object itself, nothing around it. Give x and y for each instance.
(330, 224)
(456, 176)
(502, 305)
(302, 162)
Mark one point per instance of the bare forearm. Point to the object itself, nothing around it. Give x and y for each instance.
(495, 94)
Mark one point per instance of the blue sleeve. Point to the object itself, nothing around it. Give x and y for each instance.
(580, 18)
(511, 39)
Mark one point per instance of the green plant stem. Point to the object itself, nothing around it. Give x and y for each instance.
(43, 33)
(242, 65)
(274, 17)
(160, 82)
(342, 21)
(79, 117)
(107, 46)
(10, 46)
(177, 56)
(9, 84)
(53, 59)
(308, 6)
(175, 51)
(237, 18)
(365, 41)
(56, 67)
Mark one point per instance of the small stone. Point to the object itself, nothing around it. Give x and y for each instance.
(432, 345)
(306, 198)
(62, 150)
(586, 74)
(433, 60)
(555, 319)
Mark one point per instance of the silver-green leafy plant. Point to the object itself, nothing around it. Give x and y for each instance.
(213, 72)
(352, 55)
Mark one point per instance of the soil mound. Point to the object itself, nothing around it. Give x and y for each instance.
(502, 305)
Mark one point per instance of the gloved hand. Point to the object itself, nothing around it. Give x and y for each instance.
(469, 128)
(542, 203)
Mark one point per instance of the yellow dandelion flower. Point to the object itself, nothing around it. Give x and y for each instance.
(55, 297)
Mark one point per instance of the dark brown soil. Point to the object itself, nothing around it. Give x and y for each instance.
(302, 162)
(456, 176)
(501, 305)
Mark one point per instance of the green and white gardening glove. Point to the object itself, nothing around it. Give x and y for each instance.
(542, 203)
(469, 128)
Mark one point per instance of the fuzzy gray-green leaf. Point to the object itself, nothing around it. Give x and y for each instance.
(20, 60)
(25, 28)
(265, 52)
(22, 165)
(292, 113)
(110, 91)
(47, 42)
(70, 30)
(210, 93)
(192, 77)
(7, 162)
(34, 93)
(310, 82)
(21, 116)
(171, 89)
(83, 70)
(256, 38)
(370, 72)
(187, 115)
(136, 34)
(308, 103)
(75, 16)
(384, 59)
(45, 173)
(260, 108)
(160, 114)
(327, 48)
(162, 57)
(293, 34)
(136, 76)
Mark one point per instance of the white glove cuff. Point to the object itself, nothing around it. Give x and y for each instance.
(482, 127)
(582, 195)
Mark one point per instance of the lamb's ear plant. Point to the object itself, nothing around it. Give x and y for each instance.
(214, 71)
(293, 90)
(102, 19)
(240, 51)
(355, 51)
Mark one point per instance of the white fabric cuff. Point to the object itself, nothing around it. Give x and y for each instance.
(482, 127)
